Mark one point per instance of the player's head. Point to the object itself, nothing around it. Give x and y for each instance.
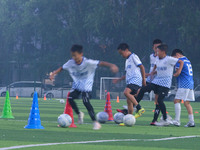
(177, 53)
(77, 53)
(123, 50)
(162, 50)
(156, 43)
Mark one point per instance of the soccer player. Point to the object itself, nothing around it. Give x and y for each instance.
(162, 82)
(185, 90)
(153, 57)
(135, 78)
(82, 71)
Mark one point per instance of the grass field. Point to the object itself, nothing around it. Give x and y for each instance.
(110, 137)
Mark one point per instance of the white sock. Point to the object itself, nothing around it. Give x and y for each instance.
(177, 111)
(191, 117)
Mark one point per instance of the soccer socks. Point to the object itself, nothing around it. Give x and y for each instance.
(177, 107)
(191, 117)
(156, 113)
(138, 107)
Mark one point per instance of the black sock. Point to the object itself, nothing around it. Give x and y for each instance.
(156, 113)
(138, 107)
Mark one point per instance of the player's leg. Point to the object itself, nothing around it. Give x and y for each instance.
(177, 108)
(144, 89)
(74, 95)
(86, 102)
(162, 92)
(130, 106)
(156, 111)
(190, 97)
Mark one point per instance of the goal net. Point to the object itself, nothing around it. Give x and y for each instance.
(115, 90)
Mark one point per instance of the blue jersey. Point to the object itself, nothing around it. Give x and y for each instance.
(185, 79)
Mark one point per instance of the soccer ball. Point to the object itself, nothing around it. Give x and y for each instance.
(62, 101)
(118, 117)
(129, 120)
(64, 120)
(102, 117)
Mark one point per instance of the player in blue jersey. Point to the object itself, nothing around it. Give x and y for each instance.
(162, 82)
(185, 92)
(135, 78)
(82, 71)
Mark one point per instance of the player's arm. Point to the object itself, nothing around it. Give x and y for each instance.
(153, 72)
(178, 71)
(112, 67)
(119, 79)
(143, 75)
(54, 73)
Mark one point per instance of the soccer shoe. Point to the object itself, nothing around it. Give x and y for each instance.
(124, 111)
(121, 124)
(96, 126)
(162, 123)
(176, 123)
(153, 123)
(190, 124)
(80, 118)
(139, 112)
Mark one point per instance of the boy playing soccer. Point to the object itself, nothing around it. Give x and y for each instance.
(185, 90)
(162, 82)
(134, 79)
(82, 71)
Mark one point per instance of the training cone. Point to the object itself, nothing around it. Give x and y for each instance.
(68, 110)
(45, 98)
(17, 96)
(34, 117)
(182, 101)
(108, 108)
(7, 112)
(117, 99)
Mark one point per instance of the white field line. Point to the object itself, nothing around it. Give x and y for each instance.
(100, 141)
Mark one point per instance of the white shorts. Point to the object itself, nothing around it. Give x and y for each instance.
(185, 94)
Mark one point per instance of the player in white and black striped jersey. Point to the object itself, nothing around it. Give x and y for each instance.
(162, 82)
(82, 71)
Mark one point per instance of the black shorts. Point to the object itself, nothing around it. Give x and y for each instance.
(134, 88)
(76, 93)
(147, 83)
(159, 89)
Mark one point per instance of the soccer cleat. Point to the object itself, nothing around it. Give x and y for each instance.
(139, 112)
(124, 111)
(153, 123)
(80, 117)
(190, 124)
(176, 123)
(163, 123)
(96, 126)
(121, 124)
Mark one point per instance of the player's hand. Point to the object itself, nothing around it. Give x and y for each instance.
(177, 74)
(147, 74)
(115, 81)
(51, 76)
(114, 68)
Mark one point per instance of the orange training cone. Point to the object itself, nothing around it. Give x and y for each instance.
(108, 108)
(182, 101)
(68, 110)
(117, 99)
(45, 98)
(17, 97)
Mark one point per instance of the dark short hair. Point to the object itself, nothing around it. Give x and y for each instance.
(77, 48)
(123, 46)
(177, 51)
(163, 47)
(157, 41)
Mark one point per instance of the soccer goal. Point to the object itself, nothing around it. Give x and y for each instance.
(116, 90)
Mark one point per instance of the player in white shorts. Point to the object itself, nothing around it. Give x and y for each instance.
(185, 90)
(82, 71)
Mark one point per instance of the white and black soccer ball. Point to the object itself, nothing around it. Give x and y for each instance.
(118, 117)
(129, 120)
(102, 117)
(62, 101)
(64, 120)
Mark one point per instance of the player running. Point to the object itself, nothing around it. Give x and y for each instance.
(162, 82)
(135, 78)
(185, 90)
(82, 71)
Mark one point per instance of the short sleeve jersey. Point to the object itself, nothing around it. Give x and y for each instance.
(185, 79)
(152, 64)
(82, 74)
(164, 67)
(133, 74)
